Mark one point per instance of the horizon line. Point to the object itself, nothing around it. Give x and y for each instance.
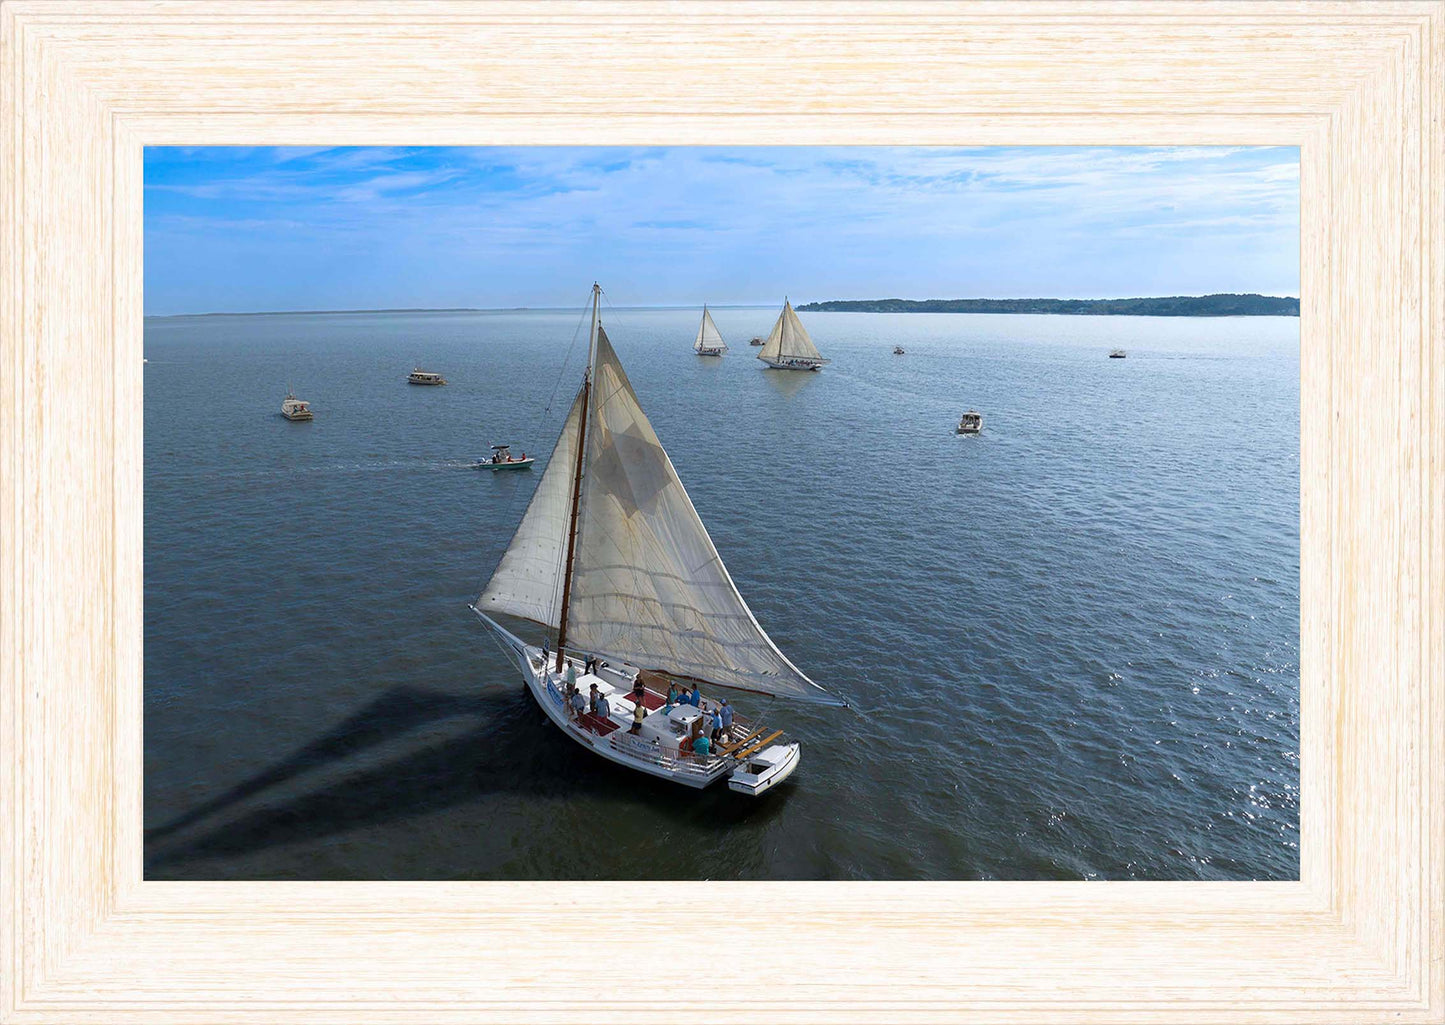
(665, 306)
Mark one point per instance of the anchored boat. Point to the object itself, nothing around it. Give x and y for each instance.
(789, 346)
(420, 376)
(709, 340)
(970, 423)
(612, 556)
(1118, 354)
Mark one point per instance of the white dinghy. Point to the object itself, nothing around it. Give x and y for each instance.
(612, 556)
(789, 346)
(709, 341)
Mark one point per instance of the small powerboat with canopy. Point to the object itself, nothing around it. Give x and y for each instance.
(612, 559)
(293, 408)
(502, 459)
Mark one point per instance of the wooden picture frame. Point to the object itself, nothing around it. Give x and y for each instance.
(1356, 86)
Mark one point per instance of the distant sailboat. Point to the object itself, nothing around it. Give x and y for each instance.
(789, 346)
(709, 340)
(612, 556)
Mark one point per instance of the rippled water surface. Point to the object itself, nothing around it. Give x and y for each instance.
(1072, 642)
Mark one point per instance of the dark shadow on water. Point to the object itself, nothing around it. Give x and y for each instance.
(513, 749)
(394, 714)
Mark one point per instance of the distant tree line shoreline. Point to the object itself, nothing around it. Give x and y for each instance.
(1220, 305)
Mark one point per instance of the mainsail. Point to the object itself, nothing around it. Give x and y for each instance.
(708, 336)
(789, 339)
(647, 584)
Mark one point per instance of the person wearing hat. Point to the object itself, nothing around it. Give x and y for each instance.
(727, 717)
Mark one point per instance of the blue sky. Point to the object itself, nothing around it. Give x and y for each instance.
(248, 229)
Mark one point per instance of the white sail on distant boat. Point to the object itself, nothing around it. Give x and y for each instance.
(709, 341)
(612, 556)
(789, 346)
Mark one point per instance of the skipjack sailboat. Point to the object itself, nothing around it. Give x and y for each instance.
(789, 346)
(612, 555)
(709, 340)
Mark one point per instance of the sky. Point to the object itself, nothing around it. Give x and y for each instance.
(239, 229)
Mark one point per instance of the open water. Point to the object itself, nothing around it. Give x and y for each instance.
(1072, 642)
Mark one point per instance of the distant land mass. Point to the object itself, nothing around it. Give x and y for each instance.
(1222, 305)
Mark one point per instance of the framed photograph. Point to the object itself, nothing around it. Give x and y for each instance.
(604, 511)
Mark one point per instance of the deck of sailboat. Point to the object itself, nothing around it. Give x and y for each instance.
(742, 739)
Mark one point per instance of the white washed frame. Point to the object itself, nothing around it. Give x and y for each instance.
(1358, 87)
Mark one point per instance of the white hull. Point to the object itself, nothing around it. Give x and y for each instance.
(757, 773)
(793, 364)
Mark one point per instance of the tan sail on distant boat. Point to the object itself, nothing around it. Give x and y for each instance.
(612, 556)
(709, 341)
(789, 346)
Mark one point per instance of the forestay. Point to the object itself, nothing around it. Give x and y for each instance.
(789, 339)
(708, 336)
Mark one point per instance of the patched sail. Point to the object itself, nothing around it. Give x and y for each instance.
(708, 336)
(528, 580)
(789, 339)
(648, 585)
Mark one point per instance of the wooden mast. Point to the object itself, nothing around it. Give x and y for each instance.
(577, 477)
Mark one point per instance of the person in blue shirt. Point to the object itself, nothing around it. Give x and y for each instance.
(701, 744)
(727, 716)
(603, 708)
(716, 722)
(695, 697)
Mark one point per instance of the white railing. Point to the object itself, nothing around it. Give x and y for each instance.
(668, 758)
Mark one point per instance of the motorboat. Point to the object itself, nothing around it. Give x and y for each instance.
(420, 376)
(970, 423)
(502, 459)
(293, 408)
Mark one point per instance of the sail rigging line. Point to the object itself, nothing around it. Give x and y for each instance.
(556, 635)
(499, 544)
(577, 476)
